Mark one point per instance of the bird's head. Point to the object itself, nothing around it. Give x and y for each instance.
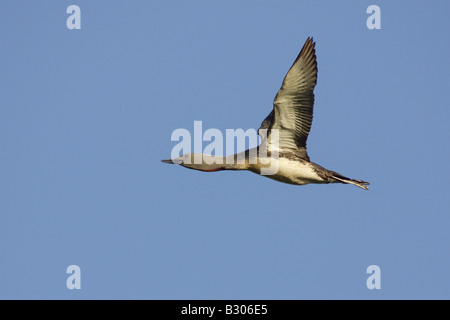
(199, 161)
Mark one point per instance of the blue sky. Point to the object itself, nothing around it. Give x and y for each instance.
(87, 115)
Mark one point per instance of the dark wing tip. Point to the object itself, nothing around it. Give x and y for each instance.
(309, 43)
(308, 53)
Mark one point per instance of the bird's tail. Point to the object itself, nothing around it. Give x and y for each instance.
(359, 183)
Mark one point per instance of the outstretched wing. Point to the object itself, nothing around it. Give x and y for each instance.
(292, 112)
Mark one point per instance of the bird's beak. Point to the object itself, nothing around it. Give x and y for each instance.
(168, 161)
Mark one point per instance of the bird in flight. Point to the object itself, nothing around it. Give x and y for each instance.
(284, 132)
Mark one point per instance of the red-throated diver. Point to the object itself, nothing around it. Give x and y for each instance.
(291, 119)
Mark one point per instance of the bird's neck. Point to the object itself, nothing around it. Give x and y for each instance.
(209, 163)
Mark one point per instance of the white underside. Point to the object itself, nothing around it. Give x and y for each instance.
(294, 172)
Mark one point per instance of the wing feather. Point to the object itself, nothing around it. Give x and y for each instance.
(292, 112)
